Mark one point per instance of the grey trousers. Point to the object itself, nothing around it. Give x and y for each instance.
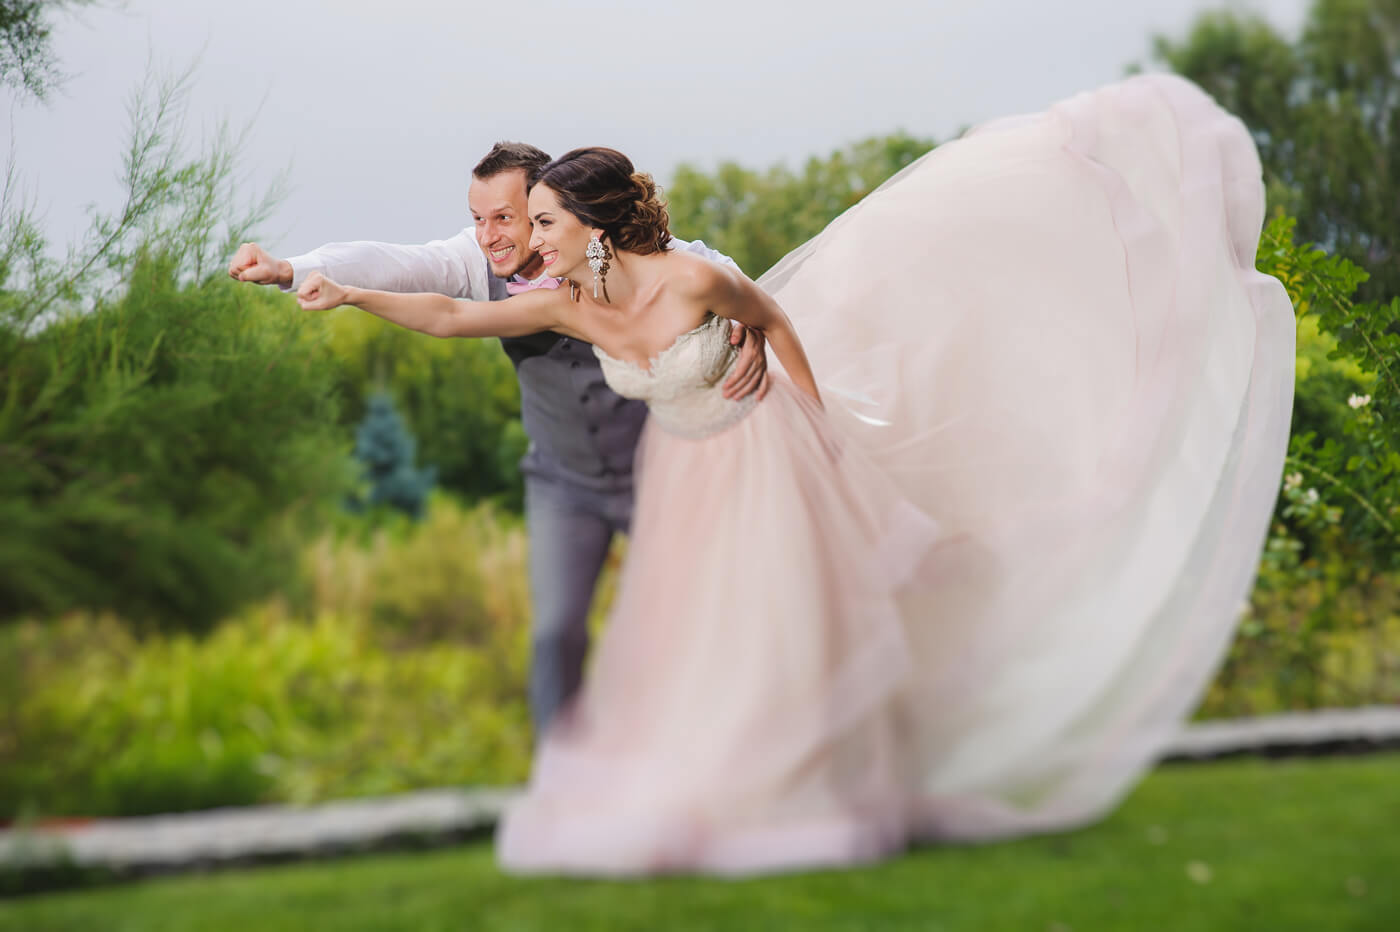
(570, 531)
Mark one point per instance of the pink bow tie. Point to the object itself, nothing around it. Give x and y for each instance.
(520, 287)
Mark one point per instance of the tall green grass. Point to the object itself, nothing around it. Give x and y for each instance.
(399, 662)
(405, 668)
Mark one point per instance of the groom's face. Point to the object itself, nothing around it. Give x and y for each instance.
(502, 227)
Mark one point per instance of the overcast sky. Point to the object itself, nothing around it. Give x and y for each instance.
(379, 109)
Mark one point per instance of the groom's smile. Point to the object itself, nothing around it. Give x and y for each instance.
(502, 227)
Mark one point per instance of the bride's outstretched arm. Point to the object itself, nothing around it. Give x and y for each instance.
(440, 316)
(730, 294)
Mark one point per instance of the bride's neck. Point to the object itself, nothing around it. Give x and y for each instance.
(626, 278)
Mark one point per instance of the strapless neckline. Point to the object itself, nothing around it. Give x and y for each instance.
(682, 385)
(653, 361)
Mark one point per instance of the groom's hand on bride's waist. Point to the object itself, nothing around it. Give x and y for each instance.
(750, 372)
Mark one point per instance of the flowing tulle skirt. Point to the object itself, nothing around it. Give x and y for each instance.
(978, 594)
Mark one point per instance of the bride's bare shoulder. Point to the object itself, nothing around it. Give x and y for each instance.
(694, 275)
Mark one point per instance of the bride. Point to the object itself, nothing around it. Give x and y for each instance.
(976, 593)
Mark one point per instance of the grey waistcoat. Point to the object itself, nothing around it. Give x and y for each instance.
(580, 430)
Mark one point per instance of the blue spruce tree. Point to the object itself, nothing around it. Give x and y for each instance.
(387, 450)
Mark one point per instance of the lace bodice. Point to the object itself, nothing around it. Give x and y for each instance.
(683, 388)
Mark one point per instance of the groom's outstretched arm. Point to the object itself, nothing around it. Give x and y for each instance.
(453, 266)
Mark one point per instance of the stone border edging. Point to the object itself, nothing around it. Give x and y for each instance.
(215, 836)
(256, 833)
(1322, 730)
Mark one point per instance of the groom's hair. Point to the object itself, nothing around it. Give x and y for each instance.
(507, 156)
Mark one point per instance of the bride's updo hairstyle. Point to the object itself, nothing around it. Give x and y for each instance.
(602, 189)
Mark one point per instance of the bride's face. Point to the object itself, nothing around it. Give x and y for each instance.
(559, 237)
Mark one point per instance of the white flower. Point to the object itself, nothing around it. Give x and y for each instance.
(1199, 871)
(1292, 480)
(1310, 496)
(1359, 401)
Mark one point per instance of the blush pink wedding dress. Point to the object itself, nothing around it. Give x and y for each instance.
(977, 594)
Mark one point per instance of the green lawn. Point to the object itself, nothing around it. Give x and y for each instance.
(1240, 845)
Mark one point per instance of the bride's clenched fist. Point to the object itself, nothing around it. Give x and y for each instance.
(319, 293)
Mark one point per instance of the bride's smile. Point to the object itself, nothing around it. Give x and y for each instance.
(557, 235)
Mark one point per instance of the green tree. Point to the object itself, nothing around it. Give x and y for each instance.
(757, 218)
(1345, 449)
(184, 206)
(164, 435)
(160, 454)
(388, 452)
(1325, 112)
(26, 35)
(459, 397)
(1319, 631)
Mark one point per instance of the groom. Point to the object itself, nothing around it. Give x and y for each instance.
(578, 471)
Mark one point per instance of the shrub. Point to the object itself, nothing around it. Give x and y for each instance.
(410, 674)
(159, 456)
(264, 709)
(459, 398)
(387, 451)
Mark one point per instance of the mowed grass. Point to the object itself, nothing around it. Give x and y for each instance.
(1246, 844)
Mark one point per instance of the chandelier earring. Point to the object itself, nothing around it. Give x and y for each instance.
(599, 260)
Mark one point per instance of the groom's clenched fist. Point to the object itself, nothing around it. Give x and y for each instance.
(319, 293)
(252, 263)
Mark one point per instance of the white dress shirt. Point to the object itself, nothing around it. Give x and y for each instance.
(455, 267)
